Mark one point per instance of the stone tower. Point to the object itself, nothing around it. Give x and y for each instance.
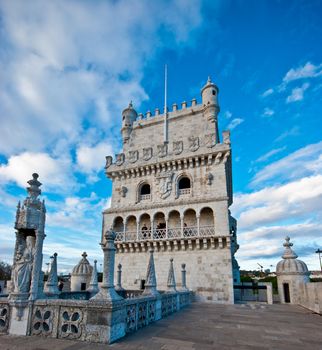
(30, 233)
(174, 197)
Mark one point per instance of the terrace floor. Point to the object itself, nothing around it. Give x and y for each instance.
(207, 326)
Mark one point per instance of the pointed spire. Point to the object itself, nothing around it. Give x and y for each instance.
(51, 286)
(288, 253)
(93, 285)
(119, 278)
(171, 279)
(151, 281)
(209, 80)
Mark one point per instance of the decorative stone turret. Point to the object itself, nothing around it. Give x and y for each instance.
(27, 261)
(81, 275)
(129, 115)
(151, 281)
(209, 95)
(171, 279)
(51, 286)
(290, 272)
(93, 285)
(107, 291)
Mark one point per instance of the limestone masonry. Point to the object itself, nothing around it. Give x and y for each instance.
(172, 188)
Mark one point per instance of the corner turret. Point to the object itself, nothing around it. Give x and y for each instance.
(129, 115)
(209, 94)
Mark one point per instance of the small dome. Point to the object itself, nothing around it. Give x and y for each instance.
(83, 267)
(290, 264)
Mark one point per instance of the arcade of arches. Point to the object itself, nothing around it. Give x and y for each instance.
(190, 223)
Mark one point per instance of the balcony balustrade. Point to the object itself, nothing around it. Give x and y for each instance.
(144, 197)
(184, 191)
(164, 234)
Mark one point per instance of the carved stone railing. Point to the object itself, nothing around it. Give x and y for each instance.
(184, 191)
(164, 234)
(144, 197)
(4, 317)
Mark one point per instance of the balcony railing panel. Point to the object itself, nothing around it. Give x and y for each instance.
(184, 191)
(163, 234)
(144, 197)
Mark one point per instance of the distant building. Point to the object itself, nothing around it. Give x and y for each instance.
(172, 188)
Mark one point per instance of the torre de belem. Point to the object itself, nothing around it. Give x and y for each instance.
(172, 189)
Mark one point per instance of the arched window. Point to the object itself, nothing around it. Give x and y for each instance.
(145, 192)
(184, 185)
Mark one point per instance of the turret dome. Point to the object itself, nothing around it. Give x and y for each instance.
(290, 264)
(129, 115)
(83, 267)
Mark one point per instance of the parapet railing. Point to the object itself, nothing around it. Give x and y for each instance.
(164, 234)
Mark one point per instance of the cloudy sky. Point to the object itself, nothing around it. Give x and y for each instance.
(68, 68)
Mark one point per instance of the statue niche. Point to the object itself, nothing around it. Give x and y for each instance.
(22, 268)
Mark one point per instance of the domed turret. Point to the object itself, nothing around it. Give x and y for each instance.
(81, 274)
(291, 272)
(209, 95)
(129, 115)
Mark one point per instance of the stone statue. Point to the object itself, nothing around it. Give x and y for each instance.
(23, 267)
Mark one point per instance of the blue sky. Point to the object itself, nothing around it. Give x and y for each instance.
(68, 69)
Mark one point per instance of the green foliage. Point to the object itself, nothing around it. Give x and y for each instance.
(5, 271)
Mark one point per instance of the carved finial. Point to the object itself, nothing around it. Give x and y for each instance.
(51, 286)
(93, 285)
(209, 80)
(171, 279)
(84, 255)
(119, 266)
(33, 190)
(18, 205)
(288, 253)
(151, 281)
(130, 104)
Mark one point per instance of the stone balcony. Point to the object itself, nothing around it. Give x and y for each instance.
(179, 238)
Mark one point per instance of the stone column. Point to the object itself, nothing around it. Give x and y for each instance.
(181, 221)
(107, 291)
(137, 230)
(183, 277)
(37, 264)
(119, 278)
(152, 228)
(166, 228)
(198, 225)
(124, 229)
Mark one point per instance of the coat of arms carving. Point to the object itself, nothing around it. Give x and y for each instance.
(147, 153)
(162, 150)
(177, 147)
(119, 159)
(164, 182)
(109, 161)
(193, 143)
(210, 140)
(133, 156)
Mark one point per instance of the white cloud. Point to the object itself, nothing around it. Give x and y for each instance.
(55, 173)
(294, 131)
(309, 70)
(269, 154)
(65, 62)
(268, 112)
(228, 114)
(297, 93)
(234, 123)
(304, 162)
(267, 92)
(91, 159)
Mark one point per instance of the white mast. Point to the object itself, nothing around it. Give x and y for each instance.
(165, 130)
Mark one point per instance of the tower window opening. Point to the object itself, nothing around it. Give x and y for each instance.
(184, 185)
(145, 192)
(214, 92)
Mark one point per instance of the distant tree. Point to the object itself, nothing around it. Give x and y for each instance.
(5, 271)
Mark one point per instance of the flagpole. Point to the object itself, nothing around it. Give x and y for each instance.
(165, 125)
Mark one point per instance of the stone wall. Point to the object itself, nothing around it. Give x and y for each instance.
(310, 296)
(209, 272)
